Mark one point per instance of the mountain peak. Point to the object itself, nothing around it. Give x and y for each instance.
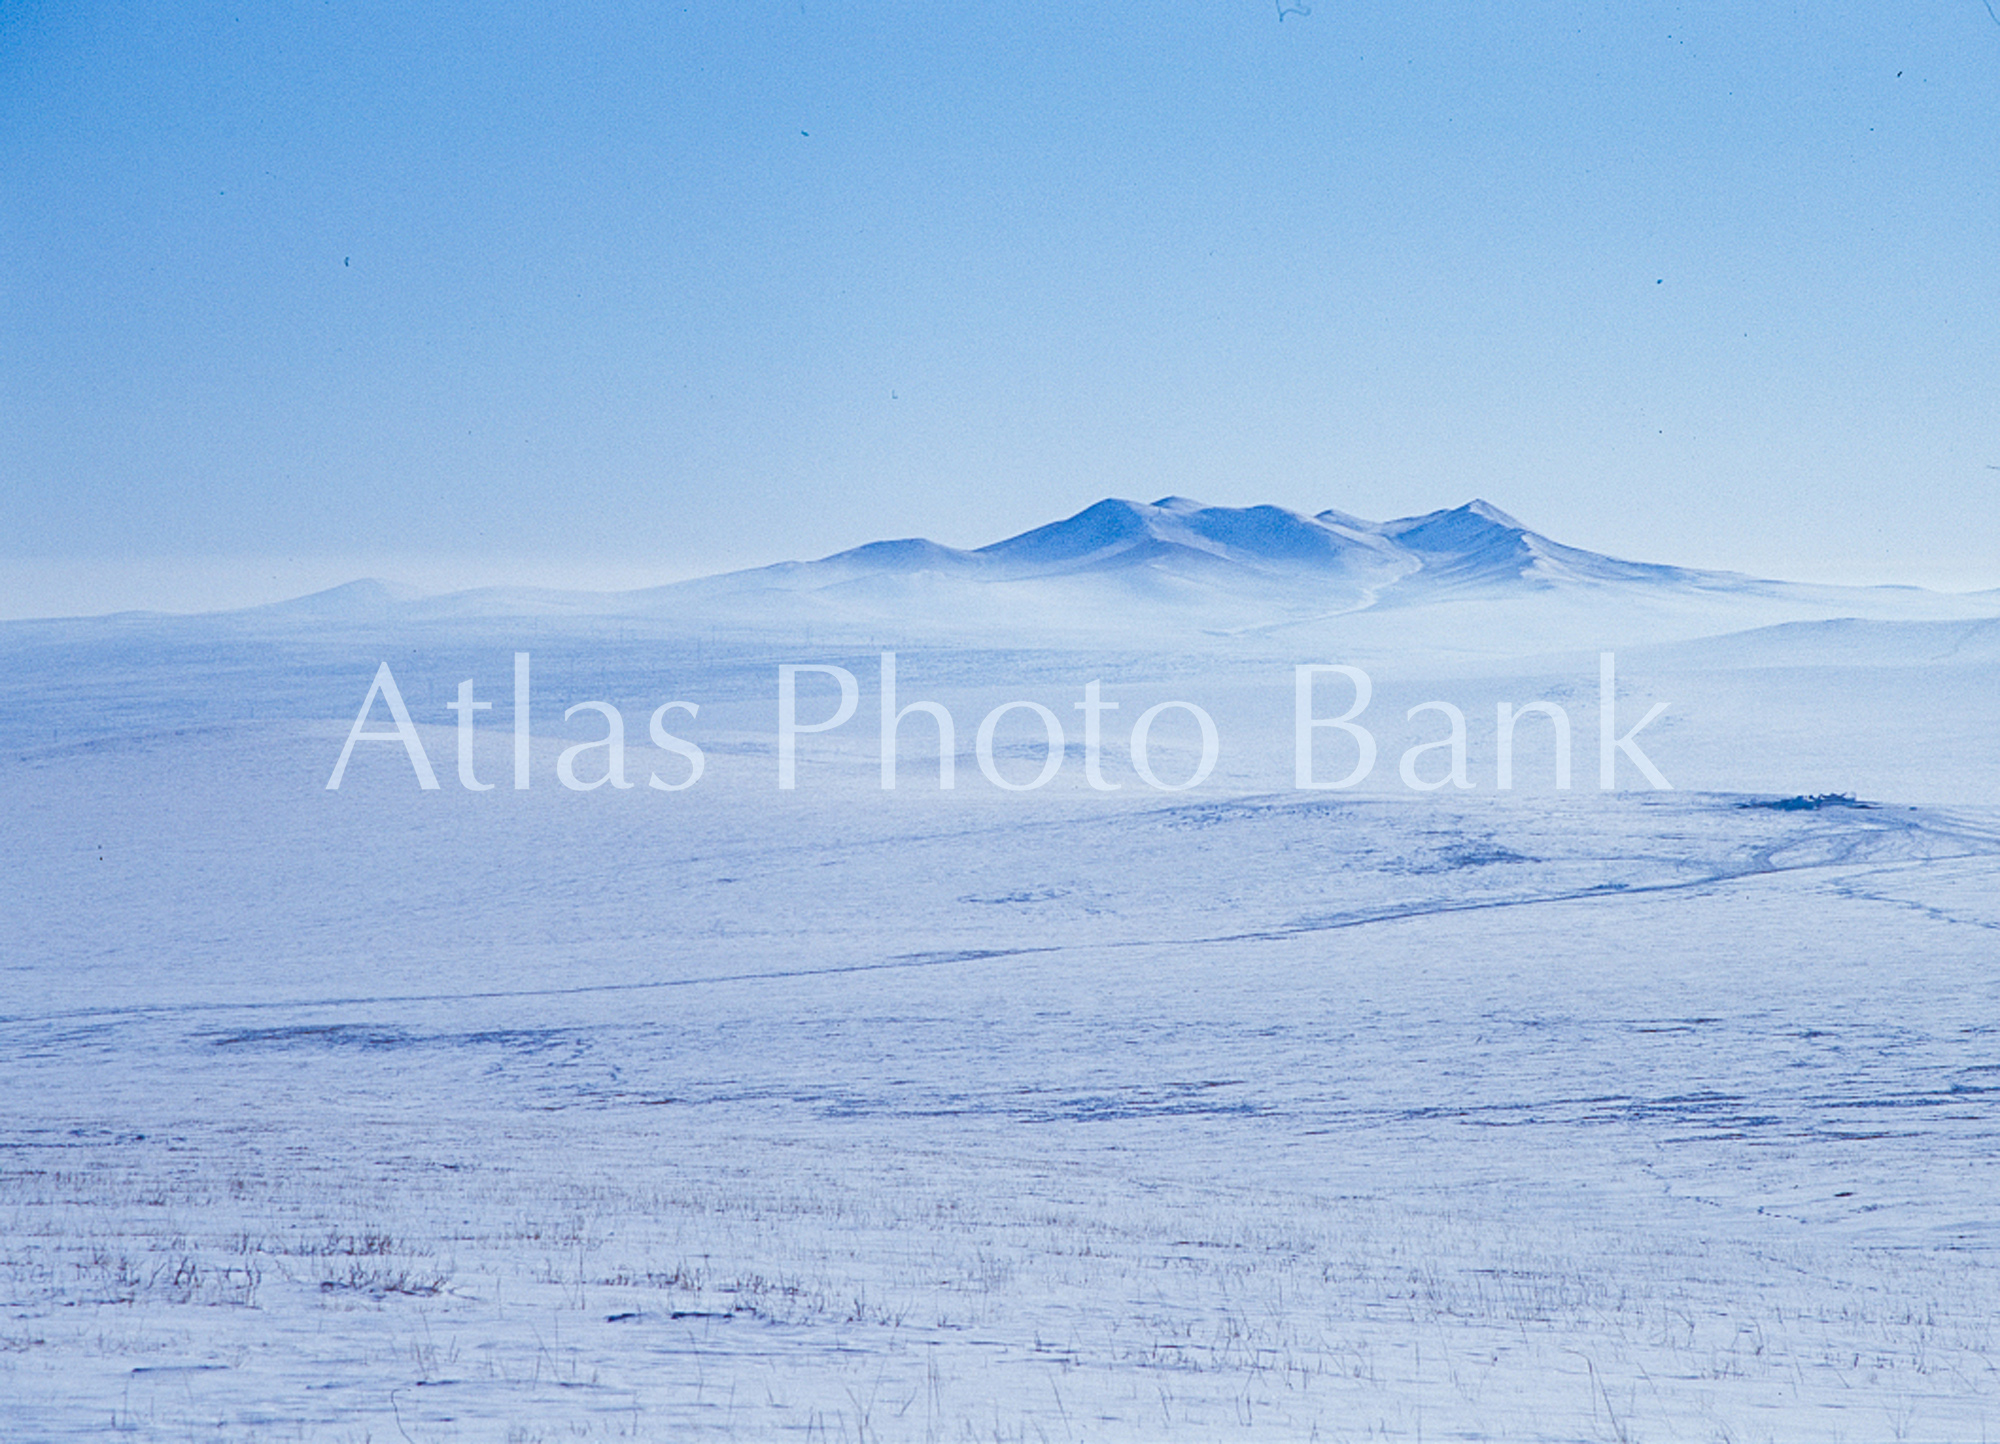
(1454, 526)
(1486, 510)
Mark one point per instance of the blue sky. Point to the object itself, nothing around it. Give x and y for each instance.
(633, 293)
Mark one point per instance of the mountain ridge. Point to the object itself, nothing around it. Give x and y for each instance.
(1468, 577)
(1468, 549)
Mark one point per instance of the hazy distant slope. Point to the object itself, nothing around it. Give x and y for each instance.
(1480, 546)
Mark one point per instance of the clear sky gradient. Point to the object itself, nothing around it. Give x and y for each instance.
(635, 293)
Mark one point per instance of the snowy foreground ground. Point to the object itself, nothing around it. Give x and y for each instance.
(379, 1115)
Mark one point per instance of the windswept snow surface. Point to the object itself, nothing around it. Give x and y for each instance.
(839, 1113)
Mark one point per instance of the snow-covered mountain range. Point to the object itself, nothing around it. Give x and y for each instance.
(1171, 572)
(1471, 574)
(1472, 547)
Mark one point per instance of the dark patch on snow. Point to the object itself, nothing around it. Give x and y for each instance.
(1025, 895)
(1810, 803)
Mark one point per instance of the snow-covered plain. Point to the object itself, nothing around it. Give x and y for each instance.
(383, 1114)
